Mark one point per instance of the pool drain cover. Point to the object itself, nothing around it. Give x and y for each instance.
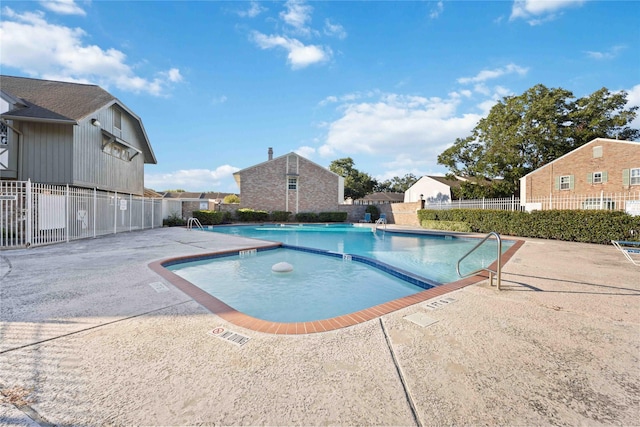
(439, 303)
(230, 336)
(159, 287)
(420, 319)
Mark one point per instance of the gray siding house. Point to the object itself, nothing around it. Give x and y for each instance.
(68, 133)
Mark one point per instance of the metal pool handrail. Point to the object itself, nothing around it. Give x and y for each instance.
(194, 222)
(498, 271)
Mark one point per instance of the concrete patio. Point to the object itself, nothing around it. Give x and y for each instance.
(89, 335)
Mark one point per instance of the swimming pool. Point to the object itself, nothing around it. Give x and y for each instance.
(396, 254)
(430, 256)
(320, 286)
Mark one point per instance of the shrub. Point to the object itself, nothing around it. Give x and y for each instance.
(307, 217)
(250, 215)
(208, 217)
(374, 211)
(332, 216)
(173, 220)
(588, 226)
(446, 225)
(280, 216)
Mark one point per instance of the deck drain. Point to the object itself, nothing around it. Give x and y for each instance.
(439, 303)
(159, 287)
(230, 336)
(420, 319)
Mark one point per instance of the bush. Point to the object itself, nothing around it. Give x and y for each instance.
(446, 225)
(307, 217)
(374, 211)
(208, 217)
(280, 216)
(588, 226)
(173, 220)
(332, 216)
(250, 215)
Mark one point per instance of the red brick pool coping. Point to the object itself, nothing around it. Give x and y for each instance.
(237, 318)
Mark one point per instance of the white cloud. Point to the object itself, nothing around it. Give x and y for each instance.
(254, 10)
(306, 152)
(610, 54)
(633, 100)
(194, 179)
(334, 30)
(299, 55)
(41, 49)
(64, 7)
(437, 10)
(536, 12)
(397, 125)
(297, 15)
(485, 75)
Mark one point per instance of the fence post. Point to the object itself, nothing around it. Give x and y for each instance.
(66, 212)
(115, 213)
(29, 241)
(143, 227)
(95, 211)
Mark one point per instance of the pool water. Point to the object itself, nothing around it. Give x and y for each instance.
(319, 287)
(429, 256)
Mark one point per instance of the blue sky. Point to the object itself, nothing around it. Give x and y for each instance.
(390, 84)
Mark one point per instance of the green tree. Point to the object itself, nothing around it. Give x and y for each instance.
(231, 198)
(356, 184)
(522, 133)
(397, 184)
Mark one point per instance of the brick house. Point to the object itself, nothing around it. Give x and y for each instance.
(289, 183)
(599, 166)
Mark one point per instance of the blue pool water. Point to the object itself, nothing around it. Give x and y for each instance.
(319, 287)
(429, 256)
(350, 268)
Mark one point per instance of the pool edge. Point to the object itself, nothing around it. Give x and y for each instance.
(243, 320)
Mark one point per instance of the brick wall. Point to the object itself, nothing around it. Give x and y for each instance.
(265, 186)
(581, 163)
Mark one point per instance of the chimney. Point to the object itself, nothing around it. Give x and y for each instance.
(270, 153)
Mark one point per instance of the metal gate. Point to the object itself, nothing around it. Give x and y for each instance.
(34, 214)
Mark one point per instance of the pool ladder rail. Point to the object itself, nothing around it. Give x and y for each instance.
(194, 222)
(498, 270)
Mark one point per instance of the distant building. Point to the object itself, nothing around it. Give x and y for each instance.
(380, 198)
(289, 183)
(194, 201)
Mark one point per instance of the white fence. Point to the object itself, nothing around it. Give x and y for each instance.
(506, 204)
(628, 201)
(38, 214)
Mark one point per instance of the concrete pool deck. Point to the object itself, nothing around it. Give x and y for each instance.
(90, 335)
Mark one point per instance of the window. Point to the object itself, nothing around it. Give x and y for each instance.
(635, 176)
(597, 151)
(597, 177)
(597, 203)
(117, 119)
(293, 183)
(565, 182)
(4, 134)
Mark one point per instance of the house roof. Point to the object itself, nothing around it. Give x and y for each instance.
(594, 141)
(236, 175)
(72, 101)
(62, 102)
(149, 193)
(384, 196)
(453, 183)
